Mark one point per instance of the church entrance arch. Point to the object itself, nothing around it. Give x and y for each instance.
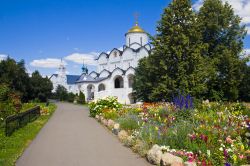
(90, 92)
(118, 82)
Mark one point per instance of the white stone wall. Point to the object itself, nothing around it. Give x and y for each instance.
(129, 58)
(140, 38)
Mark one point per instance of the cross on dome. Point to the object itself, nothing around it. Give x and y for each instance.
(136, 28)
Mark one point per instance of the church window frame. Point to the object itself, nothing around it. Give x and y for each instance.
(118, 82)
(101, 87)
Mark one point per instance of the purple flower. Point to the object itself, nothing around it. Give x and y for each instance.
(227, 164)
(183, 102)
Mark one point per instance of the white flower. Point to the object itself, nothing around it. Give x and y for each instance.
(172, 150)
(248, 134)
(166, 148)
(221, 149)
(208, 153)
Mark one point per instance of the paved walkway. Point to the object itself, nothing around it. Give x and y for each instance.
(71, 138)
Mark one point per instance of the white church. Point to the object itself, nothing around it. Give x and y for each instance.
(115, 71)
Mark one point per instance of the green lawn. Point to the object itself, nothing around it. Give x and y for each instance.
(12, 147)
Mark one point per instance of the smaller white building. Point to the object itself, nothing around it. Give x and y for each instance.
(68, 81)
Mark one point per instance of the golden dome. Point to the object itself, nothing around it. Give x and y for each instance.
(136, 28)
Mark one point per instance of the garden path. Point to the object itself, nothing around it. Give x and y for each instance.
(72, 138)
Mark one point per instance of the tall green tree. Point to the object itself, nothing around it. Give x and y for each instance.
(41, 87)
(14, 74)
(177, 62)
(222, 32)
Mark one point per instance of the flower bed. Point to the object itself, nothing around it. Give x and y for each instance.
(209, 134)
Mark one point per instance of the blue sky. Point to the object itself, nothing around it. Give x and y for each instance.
(43, 31)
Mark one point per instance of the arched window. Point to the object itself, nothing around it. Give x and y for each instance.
(101, 87)
(115, 54)
(119, 82)
(130, 80)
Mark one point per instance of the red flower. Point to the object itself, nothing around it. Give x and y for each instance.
(204, 137)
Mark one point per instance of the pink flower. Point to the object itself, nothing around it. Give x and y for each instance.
(241, 156)
(229, 140)
(192, 136)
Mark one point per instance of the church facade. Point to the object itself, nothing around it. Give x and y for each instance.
(115, 70)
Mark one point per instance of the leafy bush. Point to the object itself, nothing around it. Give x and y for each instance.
(4, 91)
(61, 93)
(101, 104)
(81, 98)
(71, 97)
(6, 109)
(10, 102)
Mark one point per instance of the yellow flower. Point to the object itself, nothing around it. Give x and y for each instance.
(234, 158)
(159, 118)
(156, 128)
(242, 147)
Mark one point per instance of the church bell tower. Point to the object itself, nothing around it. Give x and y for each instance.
(62, 74)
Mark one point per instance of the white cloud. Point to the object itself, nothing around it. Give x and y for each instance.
(241, 8)
(67, 72)
(248, 29)
(247, 51)
(3, 57)
(87, 58)
(197, 5)
(47, 63)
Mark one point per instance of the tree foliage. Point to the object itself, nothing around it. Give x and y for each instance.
(14, 75)
(177, 61)
(41, 87)
(197, 53)
(61, 93)
(223, 33)
(9, 102)
(81, 98)
(71, 97)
